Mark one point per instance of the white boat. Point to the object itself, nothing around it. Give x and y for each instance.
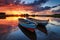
(43, 22)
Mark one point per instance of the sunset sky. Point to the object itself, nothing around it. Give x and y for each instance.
(42, 7)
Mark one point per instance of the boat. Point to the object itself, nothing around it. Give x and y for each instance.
(43, 22)
(28, 28)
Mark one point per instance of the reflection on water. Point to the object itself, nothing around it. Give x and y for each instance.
(14, 20)
(10, 21)
(42, 18)
(9, 29)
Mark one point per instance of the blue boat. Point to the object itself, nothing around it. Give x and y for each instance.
(28, 28)
(27, 23)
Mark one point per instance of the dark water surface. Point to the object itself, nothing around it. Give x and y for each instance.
(10, 31)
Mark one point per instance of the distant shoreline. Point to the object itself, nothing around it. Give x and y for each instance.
(3, 15)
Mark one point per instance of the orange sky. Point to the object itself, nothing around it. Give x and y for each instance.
(21, 10)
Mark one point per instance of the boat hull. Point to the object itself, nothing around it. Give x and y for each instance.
(42, 28)
(30, 34)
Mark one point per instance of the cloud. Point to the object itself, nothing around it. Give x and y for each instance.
(18, 2)
(56, 6)
(36, 5)
(35, 2)
(41, 9)
(38, 2)
(5, 2)
(56, 9)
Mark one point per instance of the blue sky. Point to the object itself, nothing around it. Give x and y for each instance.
(48, 3)
(52, 3)
(28, 1)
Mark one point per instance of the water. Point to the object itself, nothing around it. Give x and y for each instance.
(9, 29)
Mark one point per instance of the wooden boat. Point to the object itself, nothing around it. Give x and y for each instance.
(28, 28)
(40, 24)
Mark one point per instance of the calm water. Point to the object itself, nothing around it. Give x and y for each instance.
(9, 29)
